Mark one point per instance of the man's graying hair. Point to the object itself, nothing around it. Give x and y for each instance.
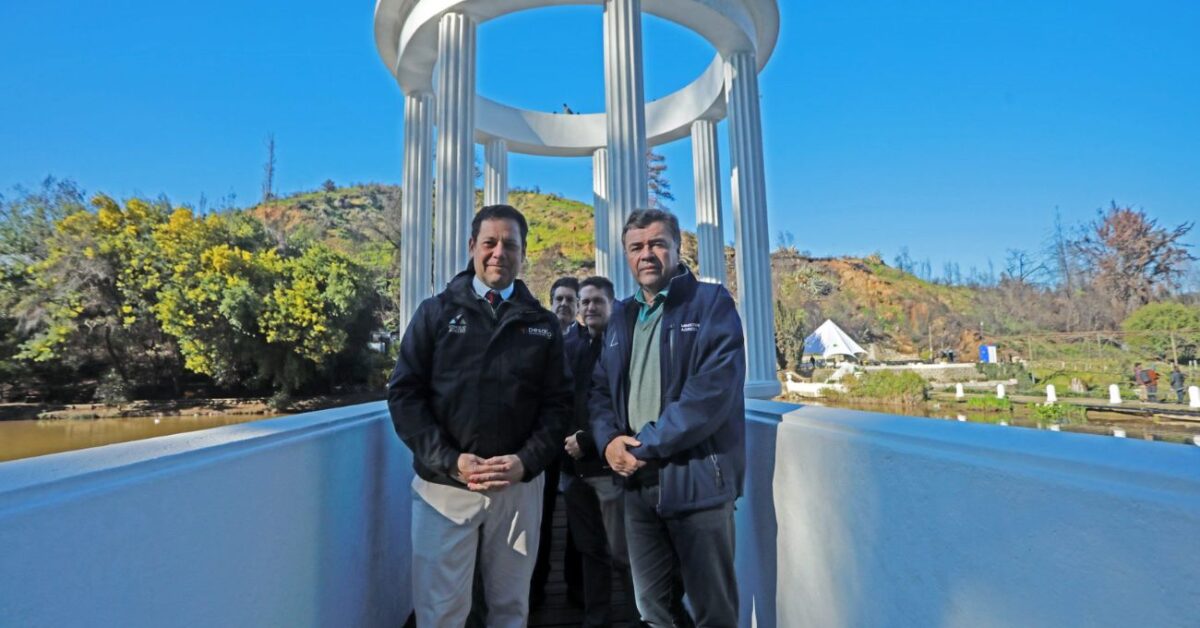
(642, 218)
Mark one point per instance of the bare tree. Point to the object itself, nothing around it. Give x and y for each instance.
(1132, 260)
(1022, 267)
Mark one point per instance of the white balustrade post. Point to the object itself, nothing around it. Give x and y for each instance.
(750, 223)
(1194, 396)
(958, 391)
(1114, 394)
(495, 172)
(600, 218)
(455, 118)
(706, 170)
(999, 391)
(625, 108)
(1051, 394)
(416, 205)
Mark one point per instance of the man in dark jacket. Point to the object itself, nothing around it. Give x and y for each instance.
(595, 503)
(564, 302)
(668, 411)
(482, 396)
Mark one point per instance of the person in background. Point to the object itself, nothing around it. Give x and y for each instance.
(668, 411)
(564, 302)
(1177, 383)
(1139, 381)
(1151, 380)
(482, 396)
(595, 502)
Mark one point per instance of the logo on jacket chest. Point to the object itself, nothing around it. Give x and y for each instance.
(458, 325)
(541, 332)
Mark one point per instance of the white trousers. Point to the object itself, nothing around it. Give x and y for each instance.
(448, 525)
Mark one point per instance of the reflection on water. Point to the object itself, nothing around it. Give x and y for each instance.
(25, 439)
(1099, 423)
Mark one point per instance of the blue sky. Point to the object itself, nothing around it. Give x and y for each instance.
(953, 128)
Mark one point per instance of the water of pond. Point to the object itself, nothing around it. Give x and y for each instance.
(1099, 423)
(25, 439)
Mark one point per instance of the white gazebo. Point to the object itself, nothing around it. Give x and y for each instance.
(830, 341)
(430, 47)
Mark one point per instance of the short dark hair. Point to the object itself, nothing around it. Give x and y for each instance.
(601, 283)
(642, 218)
(501, 212)
(565, 282)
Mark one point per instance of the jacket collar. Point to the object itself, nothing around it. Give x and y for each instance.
(679, 289)
(461, 290)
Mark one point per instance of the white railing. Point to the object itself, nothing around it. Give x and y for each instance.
(299, 521)
(849, 519)
(879, 520)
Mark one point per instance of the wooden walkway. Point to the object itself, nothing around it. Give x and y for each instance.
(557, 610)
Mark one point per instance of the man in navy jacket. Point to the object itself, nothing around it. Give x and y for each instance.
(668, 411)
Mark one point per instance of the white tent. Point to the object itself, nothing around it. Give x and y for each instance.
(829, 340)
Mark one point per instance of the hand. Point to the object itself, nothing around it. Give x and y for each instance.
(496, 473)
(618, 456)
(467, 464)
(571, 444)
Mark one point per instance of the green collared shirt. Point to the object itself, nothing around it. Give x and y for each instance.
(647, 309)
(645, 378)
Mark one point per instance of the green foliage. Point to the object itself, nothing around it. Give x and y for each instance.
(1169, 331)
(1057, 413)
(903, 387)
(989, 404)
(113, 389)
(1002, 370)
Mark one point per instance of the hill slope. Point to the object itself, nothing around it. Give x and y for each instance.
(899, 313)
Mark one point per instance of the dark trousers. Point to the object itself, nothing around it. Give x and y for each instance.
(586, 524)
(697, 546)
(541, 569)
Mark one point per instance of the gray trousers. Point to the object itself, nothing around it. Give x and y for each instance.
(697, 546)
(451, 527)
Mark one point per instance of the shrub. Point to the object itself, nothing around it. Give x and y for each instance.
(989, 404)
(904, 387)
(113, 389)
(1058, 413)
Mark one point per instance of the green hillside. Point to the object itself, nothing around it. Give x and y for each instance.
(876, 303)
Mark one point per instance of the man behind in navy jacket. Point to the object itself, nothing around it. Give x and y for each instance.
(668, 411)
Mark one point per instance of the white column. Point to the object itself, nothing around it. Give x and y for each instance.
(495, 172)
(455, 118)
(625, 106)
(600, 203)
(416, 205)
(706, 171)
(750, 224)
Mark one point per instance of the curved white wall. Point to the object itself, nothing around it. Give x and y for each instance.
(894, 521)
(299, 521)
